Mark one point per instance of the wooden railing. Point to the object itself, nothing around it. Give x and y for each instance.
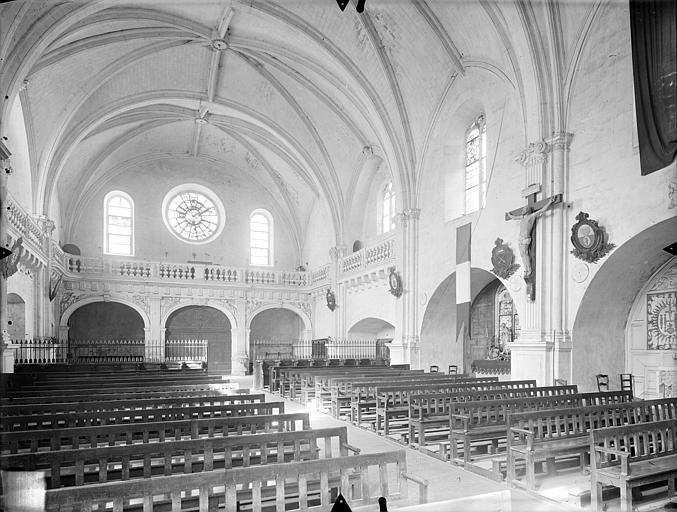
(326, 348)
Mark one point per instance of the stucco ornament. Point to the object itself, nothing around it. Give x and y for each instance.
(589, 239)
(672, 192)
(503, 260)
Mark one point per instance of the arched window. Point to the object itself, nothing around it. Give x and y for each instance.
(118, 225)
(475, 165)
(388, 208)
(260, 238)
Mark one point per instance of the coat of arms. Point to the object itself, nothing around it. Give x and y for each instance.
(503, 260)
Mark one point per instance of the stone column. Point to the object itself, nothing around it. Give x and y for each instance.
(410, 348)
(531, 353)
(155, 333)
(7, 359)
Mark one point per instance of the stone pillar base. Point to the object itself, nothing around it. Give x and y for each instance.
(532, 360)
(399, 353)
(237, 366)
(8, 360)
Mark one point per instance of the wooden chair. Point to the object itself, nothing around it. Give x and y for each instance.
(453, 369)
(626, 382)
(602, 382)
(434, 368)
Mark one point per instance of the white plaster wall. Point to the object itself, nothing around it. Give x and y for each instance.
(376, 302)
(442, 194)
(319, 237)
(605, 177)
(148, 187)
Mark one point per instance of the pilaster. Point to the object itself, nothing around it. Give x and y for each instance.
(408, 350)
(543, 349)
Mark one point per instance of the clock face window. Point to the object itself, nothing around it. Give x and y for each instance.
(192, 215)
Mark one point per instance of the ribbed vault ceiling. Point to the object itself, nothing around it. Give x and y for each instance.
(285, 93)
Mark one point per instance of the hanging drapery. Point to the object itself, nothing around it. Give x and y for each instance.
(653, 25)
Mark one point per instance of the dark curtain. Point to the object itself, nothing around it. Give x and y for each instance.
(653, 27)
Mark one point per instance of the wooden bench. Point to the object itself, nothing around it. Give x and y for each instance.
(125, 404)
(345, 392)
(546, 435)
(282, 373)
(85, 419)
(317, 386)
(110, 435)
(392, 402)
(486, 420)
(65, 468)
(141, 390)
(279, 486)
(632, 456)
(99, 397)
(431, 410)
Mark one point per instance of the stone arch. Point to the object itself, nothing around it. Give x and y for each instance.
(439, 344)
(63, 322)
(372, 327)
(599, 347)
(229, 314)
(307, 325)
(199, 322)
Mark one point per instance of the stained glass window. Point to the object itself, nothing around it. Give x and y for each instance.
(260, 246)
(193, 216)
(475, 162)
(507, 319)
(119, 224)
(661, 321)
(388, 205)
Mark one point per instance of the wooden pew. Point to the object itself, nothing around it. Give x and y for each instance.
(486, 420)
(117, 383)
(126, 403)
(293, 380)
(278, 486)
(141, 390)
(345, 391)
(65, 468)
(86, 419)
(99, 397)
(631, 456)
(431, 411)
(393, 402)
(110, 435)
(324, 383)
(545, 435)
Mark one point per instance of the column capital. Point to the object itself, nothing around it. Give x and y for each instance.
(561, 141)
(409, 215)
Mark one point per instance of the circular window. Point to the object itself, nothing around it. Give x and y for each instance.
(193, 213)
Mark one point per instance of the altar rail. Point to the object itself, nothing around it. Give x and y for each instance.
(327, 348)
(52, 351)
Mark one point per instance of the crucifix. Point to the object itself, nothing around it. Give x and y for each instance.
(527, 215)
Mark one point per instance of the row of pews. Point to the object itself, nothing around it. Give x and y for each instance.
(179, 441)
(515, 430)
